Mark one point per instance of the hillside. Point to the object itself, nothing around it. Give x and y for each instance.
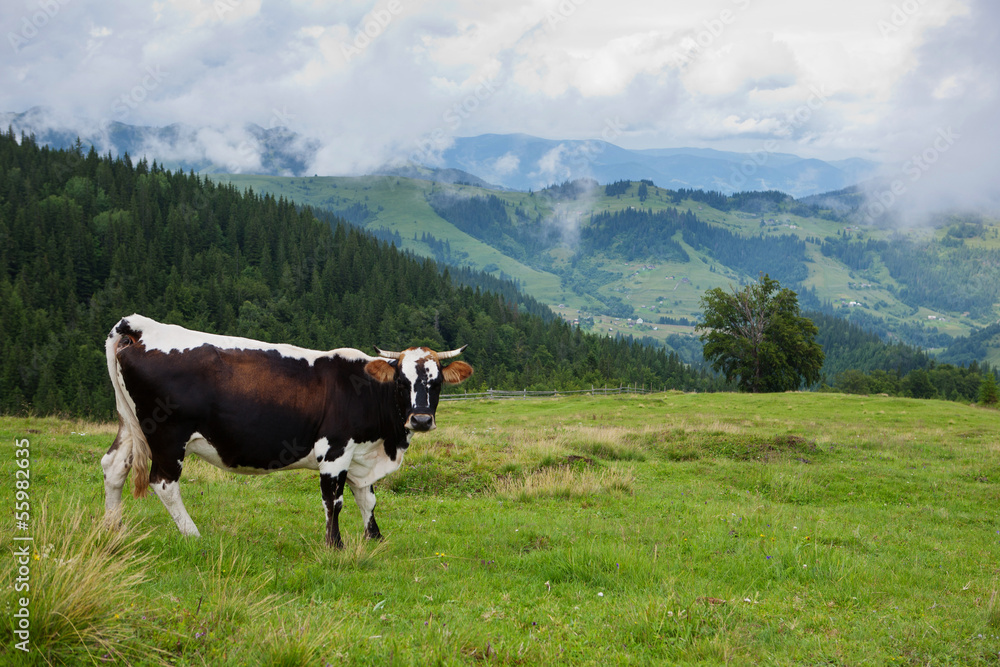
(608, 256)
(85, 240)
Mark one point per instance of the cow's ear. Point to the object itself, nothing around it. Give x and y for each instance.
(381, 370)
(457, 371)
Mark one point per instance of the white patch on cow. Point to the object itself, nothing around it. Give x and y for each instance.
(365, 499)
(199, 444)
(169, 338)
(370, 463)
(170, 494)
(408, 365)
(321, 449)
(339, 464)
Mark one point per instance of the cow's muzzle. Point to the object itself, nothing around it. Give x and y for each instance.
(421, 422)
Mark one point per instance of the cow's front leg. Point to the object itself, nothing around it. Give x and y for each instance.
(332, 487)
(332, 476)
(364, 496)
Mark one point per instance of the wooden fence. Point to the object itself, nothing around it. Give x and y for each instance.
(497, 394)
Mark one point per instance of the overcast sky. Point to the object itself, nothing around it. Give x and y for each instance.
(880, 79)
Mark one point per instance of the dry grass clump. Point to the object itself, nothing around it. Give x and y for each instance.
(84, 589)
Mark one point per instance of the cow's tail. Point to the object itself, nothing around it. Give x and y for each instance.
(130, 435)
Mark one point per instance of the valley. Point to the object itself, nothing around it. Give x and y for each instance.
(545, 242)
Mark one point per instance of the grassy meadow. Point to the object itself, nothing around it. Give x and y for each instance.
(788, 529)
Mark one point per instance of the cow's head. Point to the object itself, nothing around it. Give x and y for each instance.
(418, 374)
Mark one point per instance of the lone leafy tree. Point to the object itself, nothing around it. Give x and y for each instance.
(757, 337)
(988, 394)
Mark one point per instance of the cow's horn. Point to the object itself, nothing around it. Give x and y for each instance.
(453, 353)
(387, 354)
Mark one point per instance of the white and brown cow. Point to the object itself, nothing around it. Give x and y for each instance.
(253, 407)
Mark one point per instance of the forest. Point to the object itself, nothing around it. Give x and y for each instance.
(636, 233)
(86, 239)
(946, 275)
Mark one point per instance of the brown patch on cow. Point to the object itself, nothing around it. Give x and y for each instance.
(456, 372)
(381, 370)
(241, 373)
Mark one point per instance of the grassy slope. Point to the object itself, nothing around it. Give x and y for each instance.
(689, 529)
(405, 209)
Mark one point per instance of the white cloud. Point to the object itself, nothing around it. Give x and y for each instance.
(556, 68)
(506, 164)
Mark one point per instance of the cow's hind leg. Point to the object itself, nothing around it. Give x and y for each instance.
(364, 496)
(165, 482)
(116, 464)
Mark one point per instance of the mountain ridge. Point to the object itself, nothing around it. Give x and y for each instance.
(515, 161)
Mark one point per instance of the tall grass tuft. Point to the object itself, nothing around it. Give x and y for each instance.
(359, 553)
(305, 642)
(565, 482)
(84, 591)
(234, 597)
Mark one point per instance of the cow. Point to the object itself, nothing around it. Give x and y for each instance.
(253, 407)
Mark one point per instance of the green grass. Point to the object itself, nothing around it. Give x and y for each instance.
(675, 528)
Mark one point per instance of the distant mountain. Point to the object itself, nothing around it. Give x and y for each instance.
(250, 148)
(499, 161)
(451, 176)
(523, 162)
